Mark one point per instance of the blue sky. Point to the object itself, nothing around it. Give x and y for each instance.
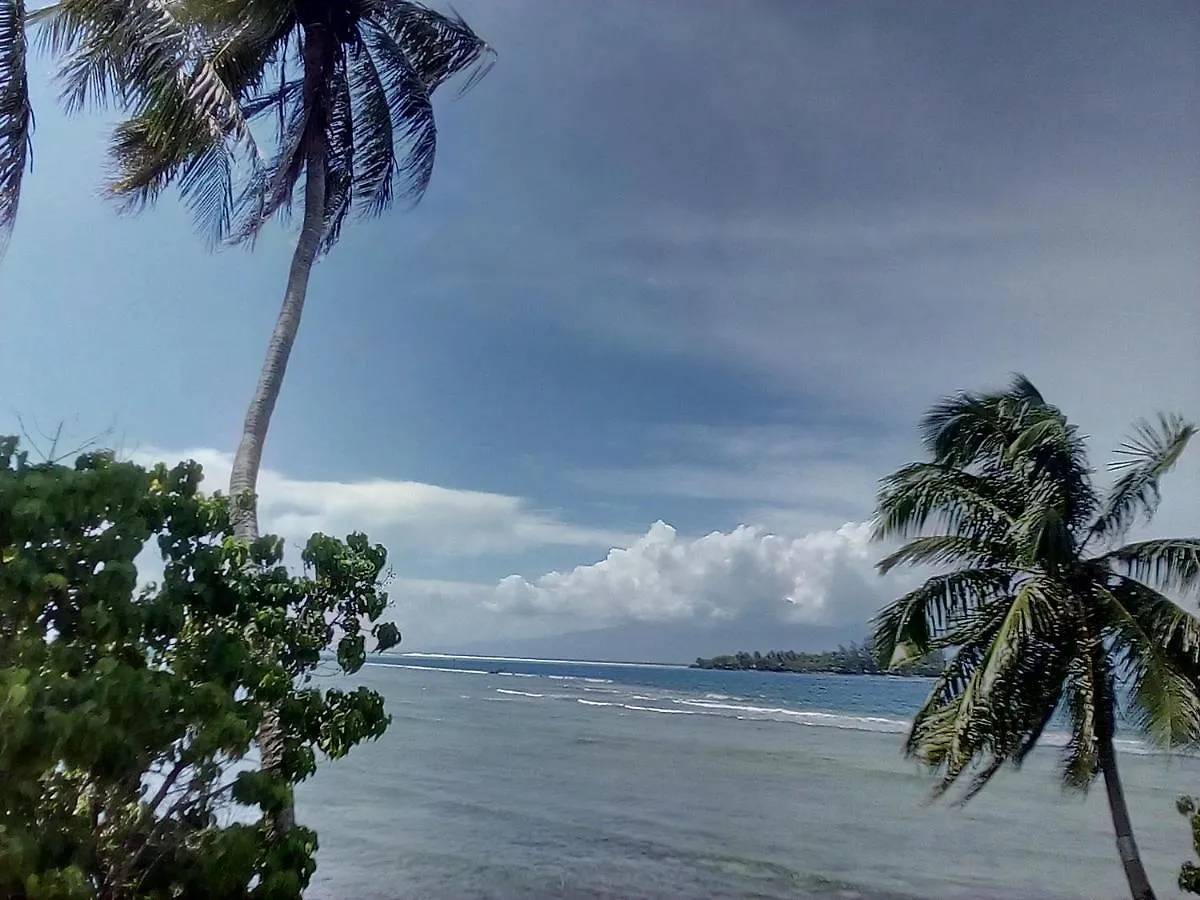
(698, 263)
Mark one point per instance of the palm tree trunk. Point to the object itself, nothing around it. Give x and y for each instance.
(243, 478)
(1135, 872)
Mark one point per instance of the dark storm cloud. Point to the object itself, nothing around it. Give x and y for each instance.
(867, 204)
(787, 106)
(913, 194)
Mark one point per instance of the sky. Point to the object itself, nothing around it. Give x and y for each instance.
(686, 277)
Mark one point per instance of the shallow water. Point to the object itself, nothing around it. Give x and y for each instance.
(560, 780)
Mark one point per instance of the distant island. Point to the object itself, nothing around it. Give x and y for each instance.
(853, 660)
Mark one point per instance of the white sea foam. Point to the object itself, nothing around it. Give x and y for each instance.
(676, 712)
(518, 693)
(521, 659)
(802, 716)
(593, 702)
(429, 668)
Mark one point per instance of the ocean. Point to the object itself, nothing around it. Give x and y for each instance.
(526, 779)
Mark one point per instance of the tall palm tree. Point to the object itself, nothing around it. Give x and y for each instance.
(349, 86)
(1044, 612)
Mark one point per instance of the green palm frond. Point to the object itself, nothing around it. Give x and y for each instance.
(340, 132)
(1158, 646)
(961, 429)
(136, 53)
(1042, 537)
(949, 549)
(914, 624)
(1008, 684)
(374, 133)
(410, 110)
(1083, 704)
(437, 46)
(935, 495)
(1032, 614)
(1168, 564)
(1149, 454)
(16, 114)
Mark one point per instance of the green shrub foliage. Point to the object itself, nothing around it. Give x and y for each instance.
(128, 712)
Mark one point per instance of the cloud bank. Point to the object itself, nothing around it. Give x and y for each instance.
(820, 577)
(747, 574)
(425, 518)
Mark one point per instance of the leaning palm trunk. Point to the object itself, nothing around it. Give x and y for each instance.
(201, 73)
(243, 478)
(1131, 859)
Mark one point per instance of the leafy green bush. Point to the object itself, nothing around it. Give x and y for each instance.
(128, 715)
(1189, 872)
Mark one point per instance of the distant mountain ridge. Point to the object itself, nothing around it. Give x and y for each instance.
(660, 643)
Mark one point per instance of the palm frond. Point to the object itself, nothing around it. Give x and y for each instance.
(374, 133)
(339, 151)
(1042, 537)
(206, 185)
(16, 114)
(1158, 645)
(959, 430)
(270, 189)
(133, 53)
(1149, 454)
(1031, 617)
(1050, 458)
(1009, 689)
(913, 624)
(148, 157)
(437, 46)
(941, 496)
(1168, 564)
(949, 549)
(280, 96)
(410, 109)
(1082, 701)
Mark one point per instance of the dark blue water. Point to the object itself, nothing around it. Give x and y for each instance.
(886, 696)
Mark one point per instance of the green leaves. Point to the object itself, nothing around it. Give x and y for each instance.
(124, 711)
(387, 636)
(16, 114)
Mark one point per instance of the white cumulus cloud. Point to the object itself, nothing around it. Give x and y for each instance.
(821, 577)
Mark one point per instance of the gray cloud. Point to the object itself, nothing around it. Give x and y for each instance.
(866, 205)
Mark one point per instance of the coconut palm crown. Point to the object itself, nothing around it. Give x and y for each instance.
(1044, 611)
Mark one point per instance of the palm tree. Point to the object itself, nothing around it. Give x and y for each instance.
(349, 85)
(1044, 613)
